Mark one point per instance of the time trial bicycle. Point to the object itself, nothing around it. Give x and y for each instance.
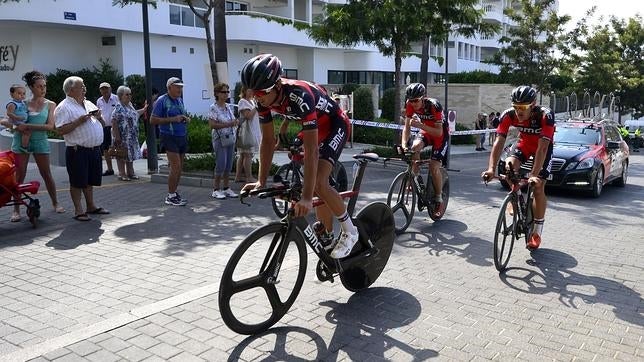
(515, 218)
(408, 192)
(293, 173)
(264, 275)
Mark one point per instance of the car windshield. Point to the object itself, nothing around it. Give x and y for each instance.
(578, 135)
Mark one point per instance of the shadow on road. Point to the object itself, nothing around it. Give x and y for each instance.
(555, 275)
(446, 237)
(82, 233)
(361, 330)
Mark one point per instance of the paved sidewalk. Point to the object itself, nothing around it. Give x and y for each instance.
(142, 283)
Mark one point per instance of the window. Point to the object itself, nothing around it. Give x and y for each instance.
(192, 50)
(187, 17)
(236, 6)
(175, 15)
(183, 15)
(290, 73)
(108, 40)
(174, 49)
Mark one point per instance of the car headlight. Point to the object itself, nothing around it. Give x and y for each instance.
(571, 165)
(587, 163)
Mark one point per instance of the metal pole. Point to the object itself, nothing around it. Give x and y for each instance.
(150, 137)
(446, 109)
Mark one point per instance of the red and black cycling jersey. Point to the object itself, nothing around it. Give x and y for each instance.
(308, 103)
(540, 124)
(429, 114)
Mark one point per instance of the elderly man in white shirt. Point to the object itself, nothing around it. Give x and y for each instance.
(106, 103)
(79, 121)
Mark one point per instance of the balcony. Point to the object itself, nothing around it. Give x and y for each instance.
(263, 27)
(494, 12)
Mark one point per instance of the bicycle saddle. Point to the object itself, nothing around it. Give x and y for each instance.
(369, 157)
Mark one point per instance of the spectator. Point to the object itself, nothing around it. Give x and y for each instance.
(40, 119)
(495, 124)
(490, 124)
(79, 121)
(170, 114)
(223, 124)
(248, 113)
(125, 122)
(480, 124)
(17, 113)
(106, 103)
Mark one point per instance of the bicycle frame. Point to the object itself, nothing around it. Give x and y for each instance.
(300, 223)
(421, 192)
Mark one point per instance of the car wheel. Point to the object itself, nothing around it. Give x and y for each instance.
(599, 183)
(622, 180)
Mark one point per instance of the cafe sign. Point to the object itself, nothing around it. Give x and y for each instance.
(8, 57)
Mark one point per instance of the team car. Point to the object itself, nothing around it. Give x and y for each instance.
(587, 155)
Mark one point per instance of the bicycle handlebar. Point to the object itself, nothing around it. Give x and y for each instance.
(285, 190)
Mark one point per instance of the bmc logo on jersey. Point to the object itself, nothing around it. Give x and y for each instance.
(529, 130)
(299, 101)
(427, 117)
(323, 105)
(336, 140)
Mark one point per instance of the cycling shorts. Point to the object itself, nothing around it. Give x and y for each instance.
(439, 145)
(523, 154)
(332, 145)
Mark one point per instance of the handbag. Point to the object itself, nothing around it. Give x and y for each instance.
(117, 151)
(227, 139)
(245, 138)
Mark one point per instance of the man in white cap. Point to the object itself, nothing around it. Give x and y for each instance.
(106, 103)
(171, 116)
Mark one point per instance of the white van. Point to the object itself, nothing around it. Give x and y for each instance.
(633, 124)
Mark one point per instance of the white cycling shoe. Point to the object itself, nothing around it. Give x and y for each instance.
(345, 244)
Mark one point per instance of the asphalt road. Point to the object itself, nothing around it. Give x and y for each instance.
(142, 282)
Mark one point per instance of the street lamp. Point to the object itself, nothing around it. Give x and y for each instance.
(150, 138)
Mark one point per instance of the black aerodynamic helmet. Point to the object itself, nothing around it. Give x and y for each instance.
(415, 90)
(261, 72)
(524, 94)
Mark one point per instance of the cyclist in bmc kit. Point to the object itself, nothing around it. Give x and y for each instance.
(536, 127)
(426, 114)
(325, 130)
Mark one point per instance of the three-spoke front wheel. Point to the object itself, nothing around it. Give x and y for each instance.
(401, 198)
(262, 279)
(505, 234)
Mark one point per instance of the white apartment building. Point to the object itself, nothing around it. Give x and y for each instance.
(74, 34)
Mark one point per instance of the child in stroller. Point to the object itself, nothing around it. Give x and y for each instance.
(12, 193)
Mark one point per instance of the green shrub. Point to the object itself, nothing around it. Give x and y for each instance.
(91, 77)
(465, 139)
(348, 88)
(374, 135)
(205, 162)
(362, 104)
(136, 83)
(199, 135)
(387, 104)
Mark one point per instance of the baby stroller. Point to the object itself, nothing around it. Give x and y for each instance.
(12, 193)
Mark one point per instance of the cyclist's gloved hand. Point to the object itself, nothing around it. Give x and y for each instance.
(487, 175)
(303, 207)
(534, 180)
(252, 186)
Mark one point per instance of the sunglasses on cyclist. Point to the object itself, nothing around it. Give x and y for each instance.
(415, 100)
(263, 92)
(521, 107)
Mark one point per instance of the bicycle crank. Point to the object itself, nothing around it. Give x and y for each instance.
(323, 273)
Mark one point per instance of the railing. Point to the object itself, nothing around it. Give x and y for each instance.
(277, 18)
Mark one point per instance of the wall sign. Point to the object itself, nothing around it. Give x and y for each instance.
(8, 57)
(70, 16)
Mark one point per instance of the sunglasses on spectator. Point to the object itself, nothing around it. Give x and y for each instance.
(263, 92)
(521, 107)
(415, 100)
(226, 91)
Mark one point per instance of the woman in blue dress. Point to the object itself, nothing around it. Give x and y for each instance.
(125, 132)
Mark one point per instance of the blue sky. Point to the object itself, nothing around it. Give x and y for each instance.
(620, 8)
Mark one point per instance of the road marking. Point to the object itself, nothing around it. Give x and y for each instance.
(117, 321)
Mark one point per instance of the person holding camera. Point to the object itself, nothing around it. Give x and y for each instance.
(80, 123)
(170, 114)
(223, 124)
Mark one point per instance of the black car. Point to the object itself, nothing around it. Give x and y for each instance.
(587, 154)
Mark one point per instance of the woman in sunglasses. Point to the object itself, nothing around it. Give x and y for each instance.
(325, 129)
(426, 114)
(536, 127)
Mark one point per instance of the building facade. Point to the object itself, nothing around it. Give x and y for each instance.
(73, 34)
